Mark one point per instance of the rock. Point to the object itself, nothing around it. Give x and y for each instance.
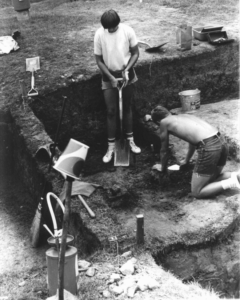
(83, 265)
(147, 282)
(90, 272)
(22, 283)
(132, 290)
(132, 260)
(114, 278)
(128, 282)
(126, 254)
(117, 290)
(106, 294)
(153, 284)
(110, 266)
(127, 268)
(142, 284)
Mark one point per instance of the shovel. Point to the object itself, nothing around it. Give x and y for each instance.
(32, 64)
(151, 48)
(122, 148)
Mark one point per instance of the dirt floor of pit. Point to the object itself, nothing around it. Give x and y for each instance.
(123, 193)
(138, 189)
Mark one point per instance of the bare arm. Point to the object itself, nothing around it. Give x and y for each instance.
(191, 150)
(104, 69)
(164, 136)
(134, 57)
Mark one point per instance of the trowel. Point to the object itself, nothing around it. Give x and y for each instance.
(151, 48)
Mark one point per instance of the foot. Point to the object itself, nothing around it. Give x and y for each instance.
(135, 149)
(108, 156)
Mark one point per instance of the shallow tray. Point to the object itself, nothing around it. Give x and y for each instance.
(200, 33)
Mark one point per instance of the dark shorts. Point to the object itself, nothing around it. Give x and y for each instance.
(106, 84)
(212, 154)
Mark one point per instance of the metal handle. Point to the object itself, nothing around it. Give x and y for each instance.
(51, 210)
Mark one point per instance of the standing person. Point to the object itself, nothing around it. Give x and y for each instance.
(116, 52)
(208, 178)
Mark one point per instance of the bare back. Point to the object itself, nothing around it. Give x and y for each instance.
(188, 128)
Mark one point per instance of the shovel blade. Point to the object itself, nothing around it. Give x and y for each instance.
(122, 153)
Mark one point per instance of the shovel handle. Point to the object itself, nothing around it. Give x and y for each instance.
(91, 213)
(32, 80)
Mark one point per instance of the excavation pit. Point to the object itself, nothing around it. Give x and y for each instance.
(179, 231)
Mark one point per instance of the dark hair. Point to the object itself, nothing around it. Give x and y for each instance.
(159, 113)
(110, 19)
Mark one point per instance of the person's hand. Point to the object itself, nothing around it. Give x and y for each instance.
(157, 167)
(125, 77)
(114, 81)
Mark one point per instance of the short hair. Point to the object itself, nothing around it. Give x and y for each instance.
(110, 19)
(159, 113)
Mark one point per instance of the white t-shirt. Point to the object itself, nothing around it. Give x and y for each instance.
(115, 47)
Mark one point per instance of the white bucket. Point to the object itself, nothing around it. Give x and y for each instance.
(71, 161)
(190, 100)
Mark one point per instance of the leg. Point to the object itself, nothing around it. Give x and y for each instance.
(206, 186)
(127, 108)
(127, 116)
(111, 101)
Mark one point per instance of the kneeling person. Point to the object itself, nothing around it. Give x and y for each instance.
(208, 178)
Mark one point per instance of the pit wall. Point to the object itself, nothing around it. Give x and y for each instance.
(213, 71)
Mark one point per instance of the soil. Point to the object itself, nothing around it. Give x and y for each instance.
(122, 191)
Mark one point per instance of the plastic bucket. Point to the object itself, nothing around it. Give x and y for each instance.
(190, 100)
(71, 161)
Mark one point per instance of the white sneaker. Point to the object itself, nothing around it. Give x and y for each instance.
(135, 149)
(108, 156)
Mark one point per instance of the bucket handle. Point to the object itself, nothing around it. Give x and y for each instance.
(57, 232)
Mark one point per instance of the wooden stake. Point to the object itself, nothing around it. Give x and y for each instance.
(69, 181)
(140, 229)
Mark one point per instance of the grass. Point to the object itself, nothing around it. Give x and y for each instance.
(62, 36)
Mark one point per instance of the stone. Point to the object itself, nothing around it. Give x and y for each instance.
(127, 268)
(106, 294)
(128, 282)
(115, 277)
(22, 283)
(133, 260)
(83, 265)
(90, 272)
(153, 284)
(142, 284)
(132, 290)
(127, 254)
(117, 290)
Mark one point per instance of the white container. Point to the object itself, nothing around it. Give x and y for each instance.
(70, 163)
(70, 270)
(190, 100)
